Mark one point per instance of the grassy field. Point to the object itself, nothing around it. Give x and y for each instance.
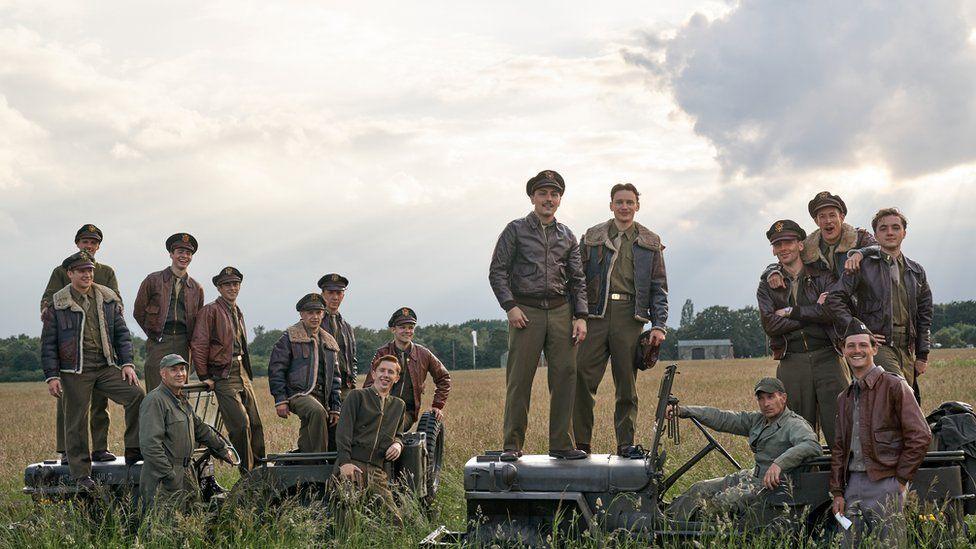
(473, 420)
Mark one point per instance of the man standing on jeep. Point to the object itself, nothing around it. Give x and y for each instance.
(779, 437)
(86, 348)
(890, 294)
(537, 276)
(801, 335)
(626, 286)
(166, 306)
(417, 361)
(219, 354)
(87, 239)
(881, 441)
(303, 375)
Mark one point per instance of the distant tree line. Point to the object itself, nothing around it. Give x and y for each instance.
(953, 325)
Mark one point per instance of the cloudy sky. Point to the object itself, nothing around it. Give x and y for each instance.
(391, 141)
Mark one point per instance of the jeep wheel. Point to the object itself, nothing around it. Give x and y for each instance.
(433, 430)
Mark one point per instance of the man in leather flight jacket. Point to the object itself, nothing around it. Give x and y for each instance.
(801, 334)
(881, 440)
(166, 306)
(304, 378)
(891, 295)
(537, 276)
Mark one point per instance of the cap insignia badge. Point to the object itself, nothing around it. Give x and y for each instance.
(91, 228)
(779, 226)
(823, 195)
(186, 237)
(228, 270)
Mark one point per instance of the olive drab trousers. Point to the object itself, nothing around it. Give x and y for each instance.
(78, 390)
(612, 337)
(548, 331)
(239, 410)
(155, 351)
(98, 422)
(813, 380)
(313, 435)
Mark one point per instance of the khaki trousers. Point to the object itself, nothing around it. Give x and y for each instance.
(374, 483)
(550, 331)
(896, 360)
(313, 435)
(239, 410)
(613, 337)
(737, 493)
(813, 380)
(78, 390)
(155, 351)
(99, 423)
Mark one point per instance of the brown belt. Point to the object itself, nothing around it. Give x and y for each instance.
(542, 303)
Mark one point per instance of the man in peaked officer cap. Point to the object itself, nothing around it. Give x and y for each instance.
(303, 378)
(167, 304)
(88, 239)
(800, 331)
(416, 362)
(219, 355)
(537, 276)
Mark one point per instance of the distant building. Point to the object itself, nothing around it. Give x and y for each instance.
(702, 349)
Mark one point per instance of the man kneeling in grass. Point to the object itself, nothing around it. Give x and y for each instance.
(369, 433)
(780, 438)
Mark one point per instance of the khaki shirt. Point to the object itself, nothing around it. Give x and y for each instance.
(92, 348)
(622, 275)
(176, 316)
(786, 441)
(899, 294)
(403, 388)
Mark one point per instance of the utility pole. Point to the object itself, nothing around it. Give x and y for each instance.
(474, 348)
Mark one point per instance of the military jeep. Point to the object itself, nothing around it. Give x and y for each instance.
(51, 480)
(307, 476)
(526, 501)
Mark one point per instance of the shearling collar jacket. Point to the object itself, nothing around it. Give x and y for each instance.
(599, 255)
(851, 238)
(62, 335)
(294, 366)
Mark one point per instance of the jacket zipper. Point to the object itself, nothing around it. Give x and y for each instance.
(379, 427)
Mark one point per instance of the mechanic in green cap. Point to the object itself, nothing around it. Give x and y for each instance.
(88, 239)
(779, 437)
(169, 432)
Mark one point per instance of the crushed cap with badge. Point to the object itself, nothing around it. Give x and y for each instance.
(545, 178)
(785, 229)
(824, 199)
(227, 274)
(310, 302)
(856, 327)
(181, 240)
(78, 260)
(333, 281)
(88, 231)
(403, 315)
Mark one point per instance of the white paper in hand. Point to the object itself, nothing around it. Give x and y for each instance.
(844, 522)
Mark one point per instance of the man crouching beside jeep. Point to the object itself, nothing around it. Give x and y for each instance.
(780, 438)
(369, 434)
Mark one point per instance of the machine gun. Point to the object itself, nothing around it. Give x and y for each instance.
(669, 426)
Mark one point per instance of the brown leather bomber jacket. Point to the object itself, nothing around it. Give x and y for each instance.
(813, 282)
(894, 434)
(538, 267)
(152, 302)
(420, 362)
(212, 345)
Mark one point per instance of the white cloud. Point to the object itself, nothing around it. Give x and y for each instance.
(808, 85)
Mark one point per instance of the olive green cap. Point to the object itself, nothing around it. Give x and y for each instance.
(171, 360)
(769, 385)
